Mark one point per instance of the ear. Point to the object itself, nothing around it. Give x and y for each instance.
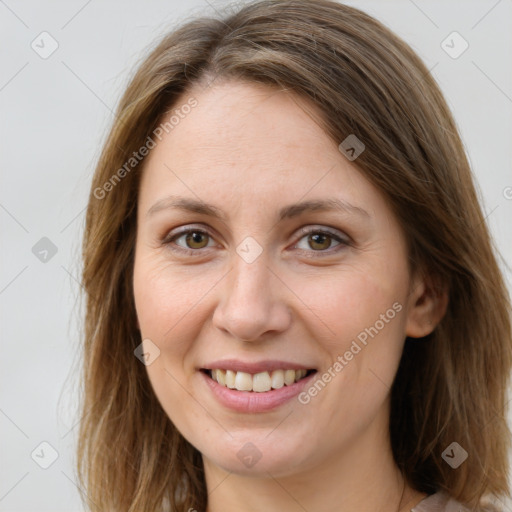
(427, 304)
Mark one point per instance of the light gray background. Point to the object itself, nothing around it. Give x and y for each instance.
(55, 113)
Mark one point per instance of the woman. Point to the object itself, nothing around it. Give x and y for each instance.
(293, 301)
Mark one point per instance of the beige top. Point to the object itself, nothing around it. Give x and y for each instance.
(439, 502)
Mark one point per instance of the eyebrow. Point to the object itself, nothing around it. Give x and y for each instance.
(287, 212)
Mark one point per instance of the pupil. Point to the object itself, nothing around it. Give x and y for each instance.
(194, 237)
(319, 235)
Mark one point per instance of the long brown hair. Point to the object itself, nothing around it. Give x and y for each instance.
(451, 385)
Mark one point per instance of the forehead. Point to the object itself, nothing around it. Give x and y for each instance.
(253, 141)
(251, 119)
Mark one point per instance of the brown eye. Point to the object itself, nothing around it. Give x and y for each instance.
(196, 239)
(319, 241)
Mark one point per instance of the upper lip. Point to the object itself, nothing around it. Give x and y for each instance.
(268, 365)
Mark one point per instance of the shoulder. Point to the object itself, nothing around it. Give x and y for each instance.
(443, 502)
(439, 502)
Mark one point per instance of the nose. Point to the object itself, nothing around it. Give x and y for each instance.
(253, 301)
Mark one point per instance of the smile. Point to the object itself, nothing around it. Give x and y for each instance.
(260, 382)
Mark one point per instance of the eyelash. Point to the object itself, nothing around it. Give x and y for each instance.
(168, 241)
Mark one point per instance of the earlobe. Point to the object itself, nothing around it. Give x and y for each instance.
(426, 308)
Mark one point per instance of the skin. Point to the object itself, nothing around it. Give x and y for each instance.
(251, 150)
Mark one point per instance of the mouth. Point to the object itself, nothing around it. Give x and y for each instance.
(260, 382)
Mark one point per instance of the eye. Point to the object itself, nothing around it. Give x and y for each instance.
(319, 240)
(194, 239)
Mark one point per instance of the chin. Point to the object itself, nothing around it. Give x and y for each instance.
(258, 454)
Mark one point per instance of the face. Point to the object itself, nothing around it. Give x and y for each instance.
(261, 249)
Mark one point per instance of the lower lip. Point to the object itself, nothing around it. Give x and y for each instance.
(253, 401)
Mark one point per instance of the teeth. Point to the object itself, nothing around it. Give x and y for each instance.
(230, 378)
(259, 382)
(221, 377)
(299, 374)
(289, 377)
(277, 379)
(243, 381)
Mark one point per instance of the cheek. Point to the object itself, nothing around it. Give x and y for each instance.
(167, 310)
(167, 300)
(347, 302)
(167, 307)
(377, 322)
(363, 314)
